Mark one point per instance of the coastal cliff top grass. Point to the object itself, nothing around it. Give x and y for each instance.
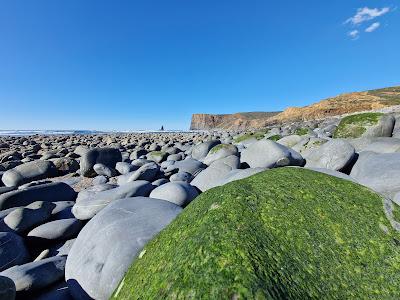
(285, 233)
(354, 126)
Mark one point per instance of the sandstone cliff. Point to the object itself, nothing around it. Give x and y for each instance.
(342, 104)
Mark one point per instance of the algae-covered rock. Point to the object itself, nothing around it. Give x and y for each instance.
(286, 233)
(366, 125)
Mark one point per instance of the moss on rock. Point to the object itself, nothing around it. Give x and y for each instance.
(275, 137)
(286, 233)
(354, 126)
(301, 131)
(257, 135)
(219, 147)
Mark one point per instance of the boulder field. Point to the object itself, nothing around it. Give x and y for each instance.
(308, 209)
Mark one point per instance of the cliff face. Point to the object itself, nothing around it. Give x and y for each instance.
(342, 104)
(238, 121)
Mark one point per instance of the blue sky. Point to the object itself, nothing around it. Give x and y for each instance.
(126, 65)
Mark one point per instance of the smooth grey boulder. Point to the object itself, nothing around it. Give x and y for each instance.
(159, 182)
(107, 245)
(137, 154)
(36, 275)
(146, 172)
(29, 171)
(88, 204)
(24, 218)
(57, 230)
(102, 169)
(380, 172)
(269, 154)
(383, 128)
(237, 174)
(49, 192)
(220, 151)
(200, 151)
(124, 167)
(12, 250)
(180, 193)
(65, 165)
(61, 248)
(189, 165)
(218, 170)
(157, 156)
(291, 140)
(100, 179)
(181, 176)
(335, 155)
(106, 156)
(7, 289)
(81, 150)
(62, 210)
(384, 145)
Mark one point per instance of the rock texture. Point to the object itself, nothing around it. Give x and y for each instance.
(341, 104)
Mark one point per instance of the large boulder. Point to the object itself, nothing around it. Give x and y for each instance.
(220, 151)
(365, 125)
(12, 250)
(22, 219)
(57, 230)
(380, 172)
(89, 203)
(109, 242)
(269, 154)
(287, 233)
(36, 275)
(106, 156)
(29, 171)
(180, 193)
(218, 170)
(200, 151)
(49, 192)
(336, 155)
(146, 172)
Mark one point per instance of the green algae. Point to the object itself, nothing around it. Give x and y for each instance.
(285, 233)
(354, 126)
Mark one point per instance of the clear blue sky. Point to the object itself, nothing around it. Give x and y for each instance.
(121, 65)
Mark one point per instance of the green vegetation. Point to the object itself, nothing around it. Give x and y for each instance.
(157, 153)
(259, 135)
(286, 233)
(275, 137)
(354, 126)
(219, 147)
(389, 96)
(301, 131)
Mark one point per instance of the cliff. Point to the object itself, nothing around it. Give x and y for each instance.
(238, 121)
(342, 104)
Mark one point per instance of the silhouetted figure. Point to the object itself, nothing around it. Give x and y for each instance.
(162, 128)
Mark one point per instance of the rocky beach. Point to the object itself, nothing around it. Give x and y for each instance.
(300, 210)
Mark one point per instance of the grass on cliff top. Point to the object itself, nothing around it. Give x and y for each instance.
(287, 233)
(354, 126)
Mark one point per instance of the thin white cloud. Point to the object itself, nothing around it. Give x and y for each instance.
(366, 14)
(354, 34)
(373, 27)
